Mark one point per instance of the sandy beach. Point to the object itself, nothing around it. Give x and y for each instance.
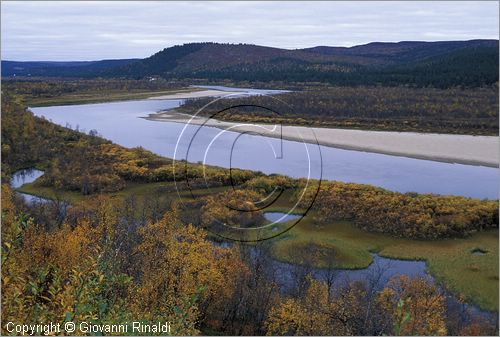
(462, 149)
(196, 94)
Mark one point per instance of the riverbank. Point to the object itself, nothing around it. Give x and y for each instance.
(196, 94)
(113, 96)
(461, 149)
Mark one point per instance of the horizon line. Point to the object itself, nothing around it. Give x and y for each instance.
(252, 44)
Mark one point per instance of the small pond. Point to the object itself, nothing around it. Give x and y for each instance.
(479, 251)
(378, 273)
(26, 176)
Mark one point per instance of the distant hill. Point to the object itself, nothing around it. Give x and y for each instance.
(60, 69)
(405, 51)
(439, 64)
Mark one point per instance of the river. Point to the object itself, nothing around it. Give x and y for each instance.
(121, 123)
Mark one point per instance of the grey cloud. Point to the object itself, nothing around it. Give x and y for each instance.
(99, 30)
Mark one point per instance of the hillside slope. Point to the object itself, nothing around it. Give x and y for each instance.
(60, 69)
(440, 64)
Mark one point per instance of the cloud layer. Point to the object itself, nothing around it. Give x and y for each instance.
(105, 30)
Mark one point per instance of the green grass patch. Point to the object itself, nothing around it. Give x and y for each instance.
(136, 189)
(352, 246)
(451, 261)
(50, 193)
(139, 190)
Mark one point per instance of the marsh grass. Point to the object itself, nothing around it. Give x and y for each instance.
(450, 262)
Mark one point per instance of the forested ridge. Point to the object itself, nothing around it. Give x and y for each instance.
(59, 69)
(445, 64)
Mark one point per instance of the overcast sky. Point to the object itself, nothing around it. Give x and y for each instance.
(105, 30)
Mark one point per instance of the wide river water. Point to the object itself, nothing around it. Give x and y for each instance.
(121, 123)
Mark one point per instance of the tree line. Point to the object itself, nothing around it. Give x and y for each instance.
(408, 215)
(469, 111)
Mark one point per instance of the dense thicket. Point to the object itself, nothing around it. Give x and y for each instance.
(104, 269)
(99, 265)
(409, 215)
(397, 108)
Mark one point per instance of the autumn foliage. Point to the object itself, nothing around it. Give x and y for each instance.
(409, 215)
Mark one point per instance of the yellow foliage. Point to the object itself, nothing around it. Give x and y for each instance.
(416, 307)
(179, 268)
(311, 316)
